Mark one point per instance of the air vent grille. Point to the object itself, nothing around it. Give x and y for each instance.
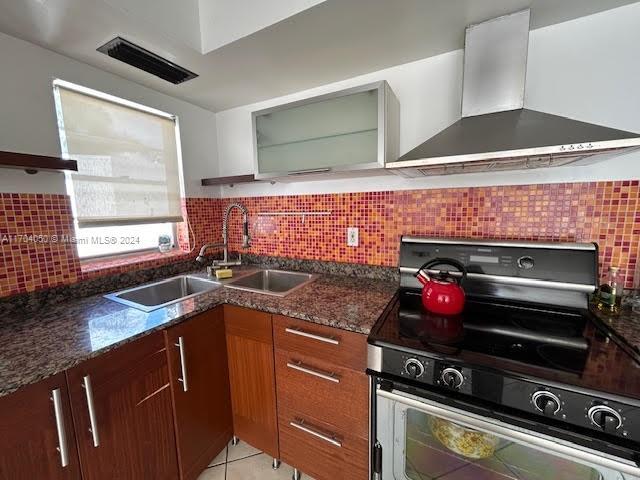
(138, 57)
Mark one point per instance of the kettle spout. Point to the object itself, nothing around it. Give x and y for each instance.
(422, 277)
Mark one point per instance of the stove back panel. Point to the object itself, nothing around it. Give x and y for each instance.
(558, 274)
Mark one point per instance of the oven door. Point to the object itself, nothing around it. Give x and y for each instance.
(424, 440)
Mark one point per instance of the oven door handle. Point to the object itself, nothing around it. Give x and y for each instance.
(516, 434)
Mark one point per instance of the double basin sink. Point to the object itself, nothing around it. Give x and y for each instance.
(165, 292)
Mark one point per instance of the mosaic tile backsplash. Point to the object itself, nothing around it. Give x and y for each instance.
(35, 251)
(605, 212)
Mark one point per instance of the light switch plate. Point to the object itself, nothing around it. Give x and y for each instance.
(352, 236)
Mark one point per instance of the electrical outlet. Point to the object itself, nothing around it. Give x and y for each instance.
(352, 236)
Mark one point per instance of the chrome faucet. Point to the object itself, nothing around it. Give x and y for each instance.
(246, 239)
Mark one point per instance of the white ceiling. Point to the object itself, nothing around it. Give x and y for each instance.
(330, 41)
(224, 21)
(179, 20)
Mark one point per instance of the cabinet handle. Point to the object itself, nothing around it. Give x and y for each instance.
(300, 425)
(86, 384)
(301, 367)
(56, 397)
(320, 338)
(308, 171)
(183, 364)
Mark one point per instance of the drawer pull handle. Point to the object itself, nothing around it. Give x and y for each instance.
(320, 338)
(86, 384)
(183, 364)
(56, 398)
(301, 367)
(300, 425)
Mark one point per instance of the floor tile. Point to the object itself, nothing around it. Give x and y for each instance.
(241, 450)
(213, 473)
(220, 458)
(258, 467)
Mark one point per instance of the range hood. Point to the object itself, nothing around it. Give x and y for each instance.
(495, 131)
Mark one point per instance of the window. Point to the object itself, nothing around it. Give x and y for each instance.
(128, 187)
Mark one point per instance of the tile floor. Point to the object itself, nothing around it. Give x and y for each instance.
(243, 462)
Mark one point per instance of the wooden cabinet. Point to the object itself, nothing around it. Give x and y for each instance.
(121, 403)
(200, 386)
(323, 399)
(252, 378)
(305, 382)
(334, 345)
(123, 413)
(322, 450)
(36, 433)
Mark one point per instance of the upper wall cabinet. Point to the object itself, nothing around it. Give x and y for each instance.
(352, 129)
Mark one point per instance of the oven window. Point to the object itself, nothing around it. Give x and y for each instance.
(440, 449)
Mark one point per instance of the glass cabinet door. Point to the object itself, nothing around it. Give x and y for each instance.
(334, 132)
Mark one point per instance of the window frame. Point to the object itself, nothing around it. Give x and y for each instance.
(56, 84)
(131, 253)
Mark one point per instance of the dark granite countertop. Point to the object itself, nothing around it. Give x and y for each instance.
(625, 325)
(38, 345)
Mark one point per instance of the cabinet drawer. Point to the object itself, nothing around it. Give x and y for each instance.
(319, 450)
(339, 347)
(335, 395)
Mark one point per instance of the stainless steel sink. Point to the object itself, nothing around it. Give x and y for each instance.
(272, 282)
(165, 292)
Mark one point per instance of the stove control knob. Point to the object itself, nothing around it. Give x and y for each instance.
(546, 402)
(526, 262)
(452, 378)
(414, 367)
(605, 418)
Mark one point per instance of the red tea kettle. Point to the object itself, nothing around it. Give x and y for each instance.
(441, 292)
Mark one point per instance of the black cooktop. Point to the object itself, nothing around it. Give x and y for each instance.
(567, 346)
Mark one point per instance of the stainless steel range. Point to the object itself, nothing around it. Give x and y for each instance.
(525, 384)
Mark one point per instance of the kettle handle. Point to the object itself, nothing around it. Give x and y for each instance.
(443, 261)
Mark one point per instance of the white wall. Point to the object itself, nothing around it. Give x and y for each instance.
(28, 120)
(584, 69)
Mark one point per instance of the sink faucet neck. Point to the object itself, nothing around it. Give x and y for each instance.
(246, 239)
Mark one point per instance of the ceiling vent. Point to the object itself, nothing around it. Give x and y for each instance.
(138, 57)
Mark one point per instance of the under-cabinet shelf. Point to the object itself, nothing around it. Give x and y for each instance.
(231, 180)
(33, 163)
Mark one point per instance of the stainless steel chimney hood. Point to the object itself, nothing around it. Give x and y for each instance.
(495, 131)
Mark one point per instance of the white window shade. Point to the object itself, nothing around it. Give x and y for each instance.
(128, 161)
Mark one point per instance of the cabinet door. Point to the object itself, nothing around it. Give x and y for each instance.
(252, 378)
(200, 385)
(36, 433)
(338, 130)
(121, 404)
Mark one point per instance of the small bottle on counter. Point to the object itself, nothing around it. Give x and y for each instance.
(610, 292)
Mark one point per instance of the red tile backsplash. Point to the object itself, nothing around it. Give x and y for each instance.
(33, 252)
(605, 212)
